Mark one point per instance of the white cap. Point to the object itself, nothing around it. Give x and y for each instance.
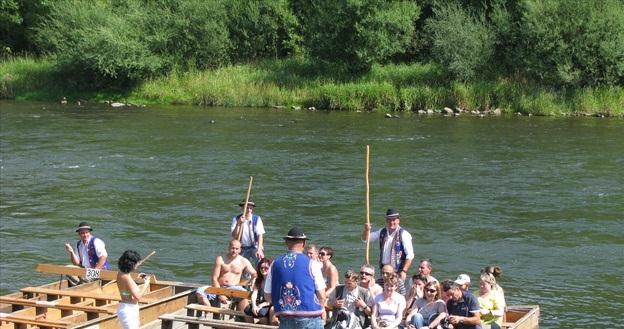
(462, 279)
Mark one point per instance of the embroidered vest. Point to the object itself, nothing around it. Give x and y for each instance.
(398, 249)
(292, 286)
(93, 257)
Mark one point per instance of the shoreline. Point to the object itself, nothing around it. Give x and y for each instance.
(394, 89)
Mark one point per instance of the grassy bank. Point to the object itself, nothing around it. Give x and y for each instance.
(300, 83)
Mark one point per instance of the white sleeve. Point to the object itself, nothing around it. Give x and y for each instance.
(260, 226)
(100, 248)
(317, 274)
(407, 244)
(374, 236)
(233, 224)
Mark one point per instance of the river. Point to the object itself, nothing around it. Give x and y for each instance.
(542, 197)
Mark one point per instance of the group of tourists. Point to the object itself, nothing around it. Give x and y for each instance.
(301, 288)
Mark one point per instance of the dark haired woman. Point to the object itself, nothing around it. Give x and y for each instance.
(259, 307)
(329, 270)
(128, 310)
(429, 311)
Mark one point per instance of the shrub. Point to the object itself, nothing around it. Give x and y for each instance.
(356, 33)
(461, 41)
(573, 43)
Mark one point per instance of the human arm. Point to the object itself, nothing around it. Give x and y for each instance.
(216, 273)
(374, 315)
(260, 252)
(72, 255)
(267, 285)
(250, 269)
(237, 226)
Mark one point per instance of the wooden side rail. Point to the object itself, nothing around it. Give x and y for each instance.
(215, 310)
(33, 321)
(79, 271)
(167, 321)
(44, 304)
(228, 292)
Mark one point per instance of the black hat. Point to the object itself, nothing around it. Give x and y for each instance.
(249, 203)
(391, 213)
(295, 234)
(83, 225)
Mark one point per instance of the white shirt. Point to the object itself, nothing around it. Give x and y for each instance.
(247, 238)
(315, 270)
(387, 248)
(100, 250)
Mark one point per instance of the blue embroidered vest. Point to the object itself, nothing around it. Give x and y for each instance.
(93, 257)
(398, 248)
(292, 286)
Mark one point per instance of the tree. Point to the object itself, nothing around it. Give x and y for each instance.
(357, 33)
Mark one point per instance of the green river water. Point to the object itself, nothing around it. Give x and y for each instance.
(541, 197)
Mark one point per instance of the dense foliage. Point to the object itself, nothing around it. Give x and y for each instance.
(560, 44)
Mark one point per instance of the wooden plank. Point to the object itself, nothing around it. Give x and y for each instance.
(79, 294)
(79, 271)
(4, 317)
(167, 320)
(212, 309)
(45, 304)
(228, 292)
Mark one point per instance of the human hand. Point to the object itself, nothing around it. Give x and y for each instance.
(260, 253)
(69, 248)
(367, 226)
(484, 311)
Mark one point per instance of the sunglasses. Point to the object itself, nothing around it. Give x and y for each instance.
(264, 268)
(366, 273)
(431, 291)
(322, 253)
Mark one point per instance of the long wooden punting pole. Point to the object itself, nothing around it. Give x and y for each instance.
(145, 259)
(240, 231)
(367, 202)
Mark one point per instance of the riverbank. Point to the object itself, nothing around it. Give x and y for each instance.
(296, 83)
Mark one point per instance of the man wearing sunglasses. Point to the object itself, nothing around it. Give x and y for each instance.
(367, 280)
(395, 244)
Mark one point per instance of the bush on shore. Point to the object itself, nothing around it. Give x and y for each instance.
(291, 82)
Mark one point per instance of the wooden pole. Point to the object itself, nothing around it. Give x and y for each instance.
(145, 259)
(367, 202)
(244, 215)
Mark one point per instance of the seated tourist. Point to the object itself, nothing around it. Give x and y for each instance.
(491, 301)
(424, 268)
(389, 305)
(351, 304)
(329, 270)
(367, 280)
(463, 280)
(463, 307)
(227, 274)
(260, 308)
(495, 271)
(428, 311)
(416, 291)
(387, 271)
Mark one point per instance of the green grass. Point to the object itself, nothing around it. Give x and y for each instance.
(298, 82)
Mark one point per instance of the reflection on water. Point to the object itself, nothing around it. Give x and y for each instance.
(541, 197)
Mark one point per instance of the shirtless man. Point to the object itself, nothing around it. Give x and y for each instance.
(227, 274)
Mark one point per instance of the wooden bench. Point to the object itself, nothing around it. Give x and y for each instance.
(101, 299)
(55, 304)
(167, 321)
(214, 310)
(33, 321)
